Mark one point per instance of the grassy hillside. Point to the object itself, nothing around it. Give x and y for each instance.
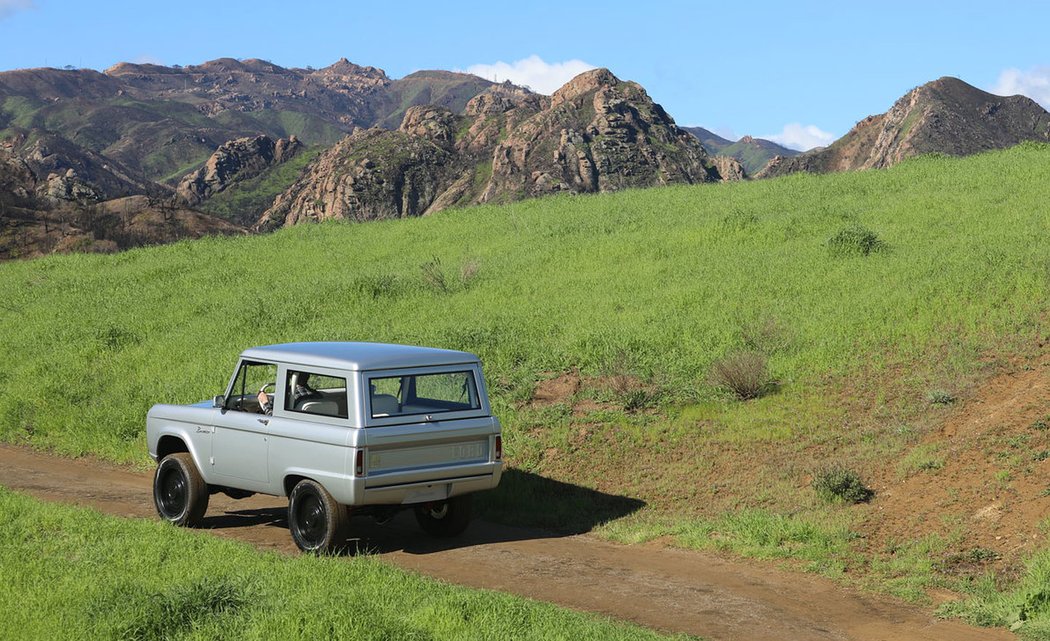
(657, 284)
(145, 580)
(876, 299)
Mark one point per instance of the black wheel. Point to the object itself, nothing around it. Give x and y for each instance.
(317, 522)
(179, 490)
(445, 518)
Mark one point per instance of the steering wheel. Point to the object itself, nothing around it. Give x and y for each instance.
(273, 387)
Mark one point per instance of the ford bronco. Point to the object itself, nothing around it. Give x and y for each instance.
(367, 428)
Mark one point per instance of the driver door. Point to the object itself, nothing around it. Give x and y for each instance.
(240, 442)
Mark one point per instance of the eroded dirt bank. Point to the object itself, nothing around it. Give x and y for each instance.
(666, 589)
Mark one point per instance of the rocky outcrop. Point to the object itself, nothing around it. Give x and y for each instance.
(945, 116)
(595, 134)
(64, 171)
(235, 161)
(371, 174)
(728, 168)
(599, 134)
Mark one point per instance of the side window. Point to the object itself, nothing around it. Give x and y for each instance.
(251, 378)
(319, 394)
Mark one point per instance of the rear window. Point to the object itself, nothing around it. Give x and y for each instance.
(424, 394)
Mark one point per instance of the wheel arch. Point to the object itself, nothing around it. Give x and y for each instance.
(291, 480)
(169, 444)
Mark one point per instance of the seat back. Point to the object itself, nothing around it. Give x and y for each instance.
(384, 404)
(323, 408)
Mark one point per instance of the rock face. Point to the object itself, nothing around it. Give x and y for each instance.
(371, 174)
(599, 134)
(945, 116)
(234, 161)
(729, 168)
(595, 134)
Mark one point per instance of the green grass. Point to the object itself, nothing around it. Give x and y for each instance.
(72, 573)
(1024, 607)
(818, 540)
(659, 284)
(664, 280)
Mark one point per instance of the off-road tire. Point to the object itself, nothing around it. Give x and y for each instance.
(447, 518)
(317, 522)
(179, 491)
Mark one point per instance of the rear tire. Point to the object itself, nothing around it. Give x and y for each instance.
(317, 522)
(445, 519)
(179, 491)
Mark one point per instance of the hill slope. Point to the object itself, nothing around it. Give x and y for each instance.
(945, 116)
(752, 153)
(600, 320)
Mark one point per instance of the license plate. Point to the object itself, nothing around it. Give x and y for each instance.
(427, 494)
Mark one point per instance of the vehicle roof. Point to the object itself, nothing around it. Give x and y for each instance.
(358, 356)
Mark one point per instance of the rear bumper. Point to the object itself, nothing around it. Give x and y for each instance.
(431, 485)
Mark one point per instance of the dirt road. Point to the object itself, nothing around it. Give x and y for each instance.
(666, 589)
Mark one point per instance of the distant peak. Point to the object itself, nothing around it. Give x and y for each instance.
(584, 83)
(344, 67)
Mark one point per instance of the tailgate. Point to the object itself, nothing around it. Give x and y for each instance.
(421, 452)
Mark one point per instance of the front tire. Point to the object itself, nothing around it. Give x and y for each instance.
(445, 519)
(179, 491)
(316, 520)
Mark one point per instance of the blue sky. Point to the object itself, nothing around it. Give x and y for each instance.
(801, 71)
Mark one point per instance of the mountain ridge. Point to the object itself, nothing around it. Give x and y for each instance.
(752, 153)
(947, 116)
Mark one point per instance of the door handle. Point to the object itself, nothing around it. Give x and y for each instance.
(264, 421)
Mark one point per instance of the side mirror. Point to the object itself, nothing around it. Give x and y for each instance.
(218, 401)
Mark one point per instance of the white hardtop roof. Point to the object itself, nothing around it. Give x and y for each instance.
(358, 356)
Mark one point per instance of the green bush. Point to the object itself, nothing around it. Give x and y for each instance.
(855, 240)
(838, 484)
(744, 373)
(940, 397)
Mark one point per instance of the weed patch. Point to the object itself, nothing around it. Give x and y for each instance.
(855, 240)
(837, 484)
(744, 374)
(940, 397)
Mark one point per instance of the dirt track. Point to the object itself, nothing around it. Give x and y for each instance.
(666, 589)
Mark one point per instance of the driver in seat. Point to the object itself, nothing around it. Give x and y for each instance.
(301, 391)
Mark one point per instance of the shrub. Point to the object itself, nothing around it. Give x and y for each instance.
(838, 484)
(743, 373)
(434, 275)
(438, 279)
(855, 240)
(940, 397)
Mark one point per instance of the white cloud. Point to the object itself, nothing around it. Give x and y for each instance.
(1034, 83)
(801, 137)
(533, 72)
(9, 7)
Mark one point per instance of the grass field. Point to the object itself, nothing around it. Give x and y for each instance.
(867, 293)
(658, 284)
(72, 573)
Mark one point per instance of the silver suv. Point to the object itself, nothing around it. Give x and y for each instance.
(336, 427)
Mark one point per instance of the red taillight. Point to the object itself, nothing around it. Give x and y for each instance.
(359, 463)
(499, 448)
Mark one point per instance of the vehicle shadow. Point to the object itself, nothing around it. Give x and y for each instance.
(524, 506)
